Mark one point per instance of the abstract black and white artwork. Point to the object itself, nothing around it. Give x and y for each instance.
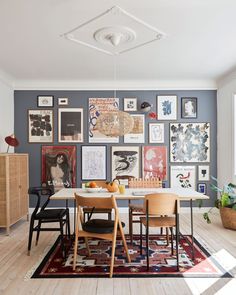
(167, 107)
(183, 176)
(125, 162)
(190, 142)
(189, 107)
(204, 173)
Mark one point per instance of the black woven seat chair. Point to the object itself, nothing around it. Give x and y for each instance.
(44, 215)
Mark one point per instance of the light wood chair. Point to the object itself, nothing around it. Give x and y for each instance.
(88, 211)
(162, 210)
(98, 228)
(136, 210)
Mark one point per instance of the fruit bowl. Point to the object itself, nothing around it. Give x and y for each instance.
(93, 189)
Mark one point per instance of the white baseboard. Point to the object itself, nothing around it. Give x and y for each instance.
(125, 210)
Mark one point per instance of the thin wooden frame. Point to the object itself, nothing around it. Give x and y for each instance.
(156, 133)
(90, 163)
(39, 124)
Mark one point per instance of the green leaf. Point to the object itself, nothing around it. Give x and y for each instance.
(199, 202)
(206, 217)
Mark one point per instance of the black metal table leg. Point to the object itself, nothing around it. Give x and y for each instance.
(192, 242)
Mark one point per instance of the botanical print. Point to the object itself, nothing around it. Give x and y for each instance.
(125, 162)
(40, 124)
(96, 107)
(190, 142)
(137, 133)
(59, 166)
(155, 162)
(183, 176)
(204, 173)
(156, 133)
(93, 162)
(70, 125)
(189, 107)
(167, 107)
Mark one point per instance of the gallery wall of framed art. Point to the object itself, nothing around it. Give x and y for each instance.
(178, 131)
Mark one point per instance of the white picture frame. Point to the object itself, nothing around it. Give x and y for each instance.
(167, 107)
(183, 177)
(203, 173)
(93, 162)
(130, 104)
(156, 133)
(45, 101)
(62, 101)
(70, 125)
(137, 134)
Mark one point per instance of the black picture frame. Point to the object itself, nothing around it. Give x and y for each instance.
(46, 101)
(202, 188)
(189, 107)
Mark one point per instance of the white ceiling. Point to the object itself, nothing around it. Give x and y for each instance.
(199, 47)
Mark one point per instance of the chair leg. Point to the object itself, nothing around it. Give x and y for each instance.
(167, 236)
(31, 228)
(147, 247)
(141, 238)
(109, 216)
(113, 252)
(76, 243)
(131, 226)
(124, 241)
(87, 246)
(62, 239)
(172, 241)
(68, 223)
(38, 232)
(177, 241)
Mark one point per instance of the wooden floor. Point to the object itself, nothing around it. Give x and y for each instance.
(14, 264)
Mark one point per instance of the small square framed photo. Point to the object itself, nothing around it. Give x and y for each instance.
(130, 104)
(62, 101)
(204, 173)
(189, 107)
(45, 101)
(201, 188)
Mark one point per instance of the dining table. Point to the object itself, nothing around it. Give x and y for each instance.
(184, 194)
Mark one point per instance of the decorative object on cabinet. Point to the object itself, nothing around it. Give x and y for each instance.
(14, 182)
(154, 162)
(125, 162)
(94, 164)
(167, 107)
(204, 173)
(146, 106)
(115, 124)
(62, 101)
(156, 133)
(137, 133)
(190, 142)
(58, 166)
(130, 104)
(183, 176)
(96, 107)
(70, 125)
(189, 107)
(40, 126)
(45, 101)
(11, 140)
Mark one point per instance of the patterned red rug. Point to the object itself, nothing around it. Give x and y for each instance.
(161, 261)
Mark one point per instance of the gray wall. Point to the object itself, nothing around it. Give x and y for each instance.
(25, 100)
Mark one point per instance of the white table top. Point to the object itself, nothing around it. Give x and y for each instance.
(184, 194)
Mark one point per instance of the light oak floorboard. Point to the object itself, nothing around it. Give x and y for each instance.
(14, 264)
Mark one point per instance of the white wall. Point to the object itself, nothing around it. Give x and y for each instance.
(225, 122)
(6, 113)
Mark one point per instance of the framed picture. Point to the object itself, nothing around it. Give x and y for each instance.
(125, 162)
(204, 173)
(156, 133)
(201, 188)
(94, 165)
(58, 166)
(154, 162)
(183, 176)
(130, 104)
(70, 125)
(40, 126)
(96, 107)
(189, 107)
(63, 101)
(45, 101)
(167, 107)
(136, 135)
(190, 142)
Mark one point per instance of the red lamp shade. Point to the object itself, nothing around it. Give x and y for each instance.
(12, 140)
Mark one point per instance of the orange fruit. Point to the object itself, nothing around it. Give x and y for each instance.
(92, 184)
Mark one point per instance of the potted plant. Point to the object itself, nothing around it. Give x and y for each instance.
(226, 203)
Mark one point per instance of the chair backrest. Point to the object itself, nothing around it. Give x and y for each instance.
(39, 191)
(101, 183)
(161, 204)
(145, 183)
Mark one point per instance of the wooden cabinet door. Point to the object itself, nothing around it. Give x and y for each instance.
(3, 192)
(23, 167)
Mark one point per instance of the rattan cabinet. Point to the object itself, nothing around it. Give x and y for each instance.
(14, 202)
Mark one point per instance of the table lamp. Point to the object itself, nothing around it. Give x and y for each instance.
(11, 141)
